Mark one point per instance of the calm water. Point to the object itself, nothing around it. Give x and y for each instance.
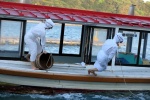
(107, 95)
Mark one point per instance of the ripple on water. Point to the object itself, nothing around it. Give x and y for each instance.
(109, 95)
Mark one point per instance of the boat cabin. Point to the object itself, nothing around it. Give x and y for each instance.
(77, 35)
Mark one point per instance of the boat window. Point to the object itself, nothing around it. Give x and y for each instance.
(145, 48)
(72, 39)
(128, 50)
(53, 39)
(10, 37)
(99, 37)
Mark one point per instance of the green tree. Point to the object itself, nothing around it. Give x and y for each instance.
(111, 6)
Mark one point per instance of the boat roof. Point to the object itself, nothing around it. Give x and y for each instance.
(27, 11)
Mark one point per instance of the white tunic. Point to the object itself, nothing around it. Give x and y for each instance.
(107, 52)
(35, 40)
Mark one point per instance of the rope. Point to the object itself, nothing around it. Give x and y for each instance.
(48, 60)
(50, 56)
(125, 80)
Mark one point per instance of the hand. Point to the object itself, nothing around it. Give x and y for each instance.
(44, 52)
(43, 20)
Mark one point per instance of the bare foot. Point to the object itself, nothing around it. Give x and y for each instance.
(33, 65)
(91, 71)
(28, 57)
(35, 68)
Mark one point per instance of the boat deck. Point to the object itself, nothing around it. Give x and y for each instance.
(76, 76)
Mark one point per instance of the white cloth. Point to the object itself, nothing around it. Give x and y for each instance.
(118, 37)
(49, 23)
(33, 38)
(107, 52)
(83, 64)
(101, 61)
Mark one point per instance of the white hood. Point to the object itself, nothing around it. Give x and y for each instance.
(118, 38)
(49, 23)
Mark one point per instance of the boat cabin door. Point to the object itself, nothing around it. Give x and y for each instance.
(88, 43)
(94, 39)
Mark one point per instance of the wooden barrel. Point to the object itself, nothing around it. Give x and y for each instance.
(44, 61)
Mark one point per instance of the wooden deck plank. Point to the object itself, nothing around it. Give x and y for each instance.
(77, 73)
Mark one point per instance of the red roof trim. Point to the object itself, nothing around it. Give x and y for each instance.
(83, 16)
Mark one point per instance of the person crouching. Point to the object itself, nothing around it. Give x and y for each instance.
(108, 51)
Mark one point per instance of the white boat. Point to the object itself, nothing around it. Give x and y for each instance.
(130, 71)
(74, 76)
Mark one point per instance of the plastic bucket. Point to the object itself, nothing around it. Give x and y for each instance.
(44, 61)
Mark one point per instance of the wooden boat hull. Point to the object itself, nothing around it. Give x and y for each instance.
(75, 77)
(29, 81)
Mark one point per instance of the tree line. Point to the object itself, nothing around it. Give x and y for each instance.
(111, 6)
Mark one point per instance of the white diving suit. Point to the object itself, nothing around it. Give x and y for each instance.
(108, 51)
(35, 38)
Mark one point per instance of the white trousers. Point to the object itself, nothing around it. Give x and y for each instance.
(34, 48)
(101, 62)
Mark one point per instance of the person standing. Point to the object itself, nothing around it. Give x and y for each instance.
(108, 51)
(35, 40)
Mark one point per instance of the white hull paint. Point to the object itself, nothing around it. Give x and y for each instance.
(75, 70)
(73, 84)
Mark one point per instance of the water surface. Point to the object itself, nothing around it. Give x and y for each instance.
(101, 95)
